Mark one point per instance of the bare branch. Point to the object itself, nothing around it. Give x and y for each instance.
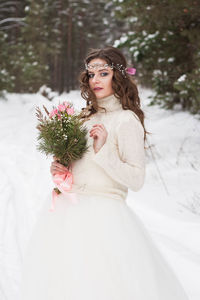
(161, 178)
(46, 110)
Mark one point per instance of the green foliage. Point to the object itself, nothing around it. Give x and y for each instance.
(6, 78)
(49, 42)
(189, 91)
(62, 135)
(164, 41)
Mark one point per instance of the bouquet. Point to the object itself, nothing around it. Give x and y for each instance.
(61, 134)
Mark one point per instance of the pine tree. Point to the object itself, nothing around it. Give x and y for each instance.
(11, 21)
(50, 40)
(164, 40)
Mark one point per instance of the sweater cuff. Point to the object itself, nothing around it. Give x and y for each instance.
(98, 157)
(104, 158)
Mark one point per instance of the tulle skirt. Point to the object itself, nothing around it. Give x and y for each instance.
(95, 249)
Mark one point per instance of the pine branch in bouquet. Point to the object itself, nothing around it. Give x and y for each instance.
(61, 133)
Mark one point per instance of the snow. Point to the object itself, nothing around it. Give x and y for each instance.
(161, 59)
(157, 72)
(182, 78)
(133, 19)
(136, 53)
(152, 36)
(171, 59)
(168, 203)
(116, 43)
(122, 40)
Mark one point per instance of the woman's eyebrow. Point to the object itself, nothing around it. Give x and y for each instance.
(99, 70)
(103, 70)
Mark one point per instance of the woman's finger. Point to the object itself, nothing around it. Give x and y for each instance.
(99, 126)
(56, 172)
(60, 170)
(102, 133)
(96, 134)
(58, 164)
(96, 131)
(58, 167)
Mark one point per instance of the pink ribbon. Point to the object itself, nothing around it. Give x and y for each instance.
(64, 184)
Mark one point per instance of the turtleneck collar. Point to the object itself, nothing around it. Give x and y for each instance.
(110, 103)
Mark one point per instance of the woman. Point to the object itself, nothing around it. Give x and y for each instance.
(97, 248)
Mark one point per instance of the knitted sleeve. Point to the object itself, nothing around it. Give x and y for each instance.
(124, 161)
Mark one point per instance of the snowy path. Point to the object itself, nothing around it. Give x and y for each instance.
(172, 217)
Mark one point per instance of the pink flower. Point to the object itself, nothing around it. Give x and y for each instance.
(66, 104)
(53, 113)
(61, 107)
(131, 71)
(70, 111)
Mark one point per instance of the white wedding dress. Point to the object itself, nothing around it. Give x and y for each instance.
(97, 248)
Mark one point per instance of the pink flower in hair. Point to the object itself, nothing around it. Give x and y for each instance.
(131, 71)
(70, 110)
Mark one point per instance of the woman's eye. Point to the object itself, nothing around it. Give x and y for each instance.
(90, 75)
(104, 74)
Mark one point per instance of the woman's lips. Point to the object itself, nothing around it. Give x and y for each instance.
(97, 89)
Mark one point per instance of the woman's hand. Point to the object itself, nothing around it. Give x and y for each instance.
(99, 134)
(57, 168)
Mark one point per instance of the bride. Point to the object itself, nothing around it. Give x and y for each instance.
(96, 248)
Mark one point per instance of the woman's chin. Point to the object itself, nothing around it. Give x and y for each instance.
(102, 95)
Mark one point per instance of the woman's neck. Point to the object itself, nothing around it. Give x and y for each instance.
(110, 103)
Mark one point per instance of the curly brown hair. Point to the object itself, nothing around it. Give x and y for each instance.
(124, 88)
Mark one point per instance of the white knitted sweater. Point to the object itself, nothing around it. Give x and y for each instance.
(120, 163)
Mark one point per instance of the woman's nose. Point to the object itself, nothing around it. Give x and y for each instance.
(95, 78)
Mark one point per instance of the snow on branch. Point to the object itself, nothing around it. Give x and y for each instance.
(8, 3)
(9, 26)
(11, 23)
(12, 20)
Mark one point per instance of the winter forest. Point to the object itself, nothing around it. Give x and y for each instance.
(43, 44)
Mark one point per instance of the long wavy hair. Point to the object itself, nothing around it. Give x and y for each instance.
(124, 88)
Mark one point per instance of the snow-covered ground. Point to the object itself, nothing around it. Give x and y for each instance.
(168, 204)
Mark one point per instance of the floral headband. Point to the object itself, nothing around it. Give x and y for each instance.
(121, 68)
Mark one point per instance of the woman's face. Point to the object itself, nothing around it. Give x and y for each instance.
(100, 78)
